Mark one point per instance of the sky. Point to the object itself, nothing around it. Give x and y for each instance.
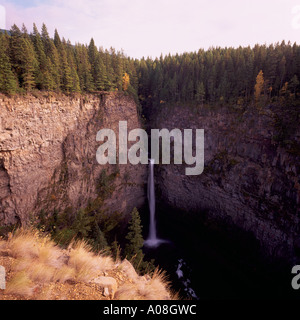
(155, 27)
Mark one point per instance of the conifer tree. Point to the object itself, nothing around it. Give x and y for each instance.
(82, 224)
(118, 67)
(16, 51)
(46, 40)
(95, 65)
(73, 72)
(115, 249)
(67, 83)
(133, 249)
(83, 68)
(109, 71)
(102, 83)
(52, 55)
(200, 93)
(43, 75)
(294, 83)
(65, 71)
(8, 82)
(99, 240)
(30, 65)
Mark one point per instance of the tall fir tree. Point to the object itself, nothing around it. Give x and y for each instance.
(133, 249)
(44, 78)
(83, 68)
(8, 82)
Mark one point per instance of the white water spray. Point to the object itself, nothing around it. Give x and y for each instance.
(185, 281)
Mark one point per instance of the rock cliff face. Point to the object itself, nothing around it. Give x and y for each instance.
(48, 154)
(248, 180)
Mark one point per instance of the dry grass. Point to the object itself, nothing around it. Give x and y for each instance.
(20, 284)
(2, 244)
(64, 274)
(41, 273)
(39, 269)
(87, 264)
(154, 289)
(129, 270)
(24, 244)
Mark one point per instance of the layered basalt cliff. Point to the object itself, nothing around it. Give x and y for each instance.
(250, 178)
(48, 154)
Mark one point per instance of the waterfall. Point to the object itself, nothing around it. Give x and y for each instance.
(152, 240)
(151, 200)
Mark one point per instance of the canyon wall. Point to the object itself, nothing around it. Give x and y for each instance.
(249, 178)
(48, 161)
(48, 154)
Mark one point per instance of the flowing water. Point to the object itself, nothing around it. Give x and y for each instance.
(152, 240)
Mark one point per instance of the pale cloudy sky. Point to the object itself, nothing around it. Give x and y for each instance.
(151, 27)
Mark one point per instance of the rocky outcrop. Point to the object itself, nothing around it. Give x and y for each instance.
(48, 154)
(249, 178)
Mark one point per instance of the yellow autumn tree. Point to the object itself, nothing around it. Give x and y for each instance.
(126, 81)
(259, 85)
(284, 89)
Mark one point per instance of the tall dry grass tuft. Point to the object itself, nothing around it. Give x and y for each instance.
(157, 288)
(2, 244)
(87, 264)
(20, 284)
(24, 244)
(159, 283)
(83, 261)
(64, 274)
(49, 252)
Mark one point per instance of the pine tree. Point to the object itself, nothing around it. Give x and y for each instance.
(44, 79)
(99, 240)
(66, 76)
(46, 40)
(16, 51)
(52, 55)
(82, 224)
(133, 249)
(294, 83)
(75, 87)
(200, 93)
(109, 71)
(95, 62)
(8, 82)
(118, 68)
(115, 250)
(134, 81)
(102, 83)
(57, 40)
(83, 68)
(29, 65)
